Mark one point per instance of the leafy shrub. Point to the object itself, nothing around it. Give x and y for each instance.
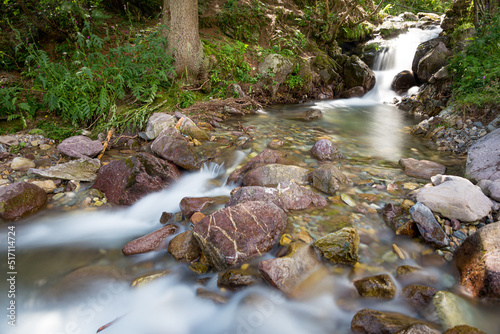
(476, 74)
(88, 84)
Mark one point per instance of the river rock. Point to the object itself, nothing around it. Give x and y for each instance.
(357, 73)
(125, 182)
(422, 50)
(9, 140)
(172, 146)
(288, 196)
(341, 246)
(238, 278)
(273, 174)
(403, 81)
(153, 241)
(464, 329)
(428, 226)
(184, 247)
(357, 91)
(263, 158)
(238, 233)
(490, 188)
(379, 287)
(433, 61)
(418, 296)
(190, 205)
(21, 199)
(83, 169)
(312, 114)
(328, 178)
(157, 123)
(369, 321)
(22, 164)
(457, 198)
(418, 329)
(286, 272)
(483, 158)
(80, 147)
(423, 169)
(273, 71)
(453, 310)
(189, 128)
(47, 185)
(478, 262)
(323, 149)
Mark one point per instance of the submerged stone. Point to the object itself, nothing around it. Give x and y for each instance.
(341, 246)
(379, 287)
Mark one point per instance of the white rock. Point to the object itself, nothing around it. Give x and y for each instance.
(157, 122)
(47, 185)
(455, 198)
(19, 163)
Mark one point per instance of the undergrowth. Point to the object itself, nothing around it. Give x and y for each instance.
(476, 74)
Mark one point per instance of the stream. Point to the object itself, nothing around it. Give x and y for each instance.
(73, 278)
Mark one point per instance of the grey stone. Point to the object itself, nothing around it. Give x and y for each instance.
(273, 174)
(423, 169)
(157, 123)
(483, 158)
(273, 70)
(490, 188)
(453, 310)
(428, 226)
(328, 178)
(8, 140)
(83, 169)
(80, 146)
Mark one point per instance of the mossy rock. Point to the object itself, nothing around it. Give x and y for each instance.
(380, 287)
(341, 246)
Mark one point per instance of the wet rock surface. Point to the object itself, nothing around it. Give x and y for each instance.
(235, 234)
(264, 158)
(403, 81)
(157, 123)
(423, 169)
(478, 262)
(453, 310)
(324, 150)
(80, 147)
(184, 247)
(286, 272)
(20, 199)
(172, 146)
(419, 296)
(341, 246)
(239, 278)
(328, 178)
(273, 174)
(379, 287)
(190, 205)
(126, 181)
(370, 322)
(153, 241)
(288, 196)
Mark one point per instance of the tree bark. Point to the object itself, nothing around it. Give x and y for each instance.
(181, 18)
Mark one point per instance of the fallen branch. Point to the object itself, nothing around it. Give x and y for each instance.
(106, 143)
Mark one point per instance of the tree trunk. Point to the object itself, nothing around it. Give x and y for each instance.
(181, 18)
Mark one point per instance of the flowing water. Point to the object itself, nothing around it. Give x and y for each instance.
(72, 277)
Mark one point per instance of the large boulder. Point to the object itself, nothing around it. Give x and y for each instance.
(153, 241)
(357, 73)
(273, 174)
(172, 146)
(189, 128)
(403, 81)
(83, 169)
(236, 234)
(273, 71)
(265, 157)
(428, 226)
(453, 310)
(20, 199)
(478, 262)
(432, 62)
(323, 149)
(190, 205)
(126, 181)
(483, 158)
(328, 178)
(455, 198)
(288, 196)
(369, 321)
(490, 188)
(286, 272)
(424, 49)
(341, 246)
(157, 123)
(423, 169)
(80, 147)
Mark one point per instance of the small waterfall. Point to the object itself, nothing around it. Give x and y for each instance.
(396, 58)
